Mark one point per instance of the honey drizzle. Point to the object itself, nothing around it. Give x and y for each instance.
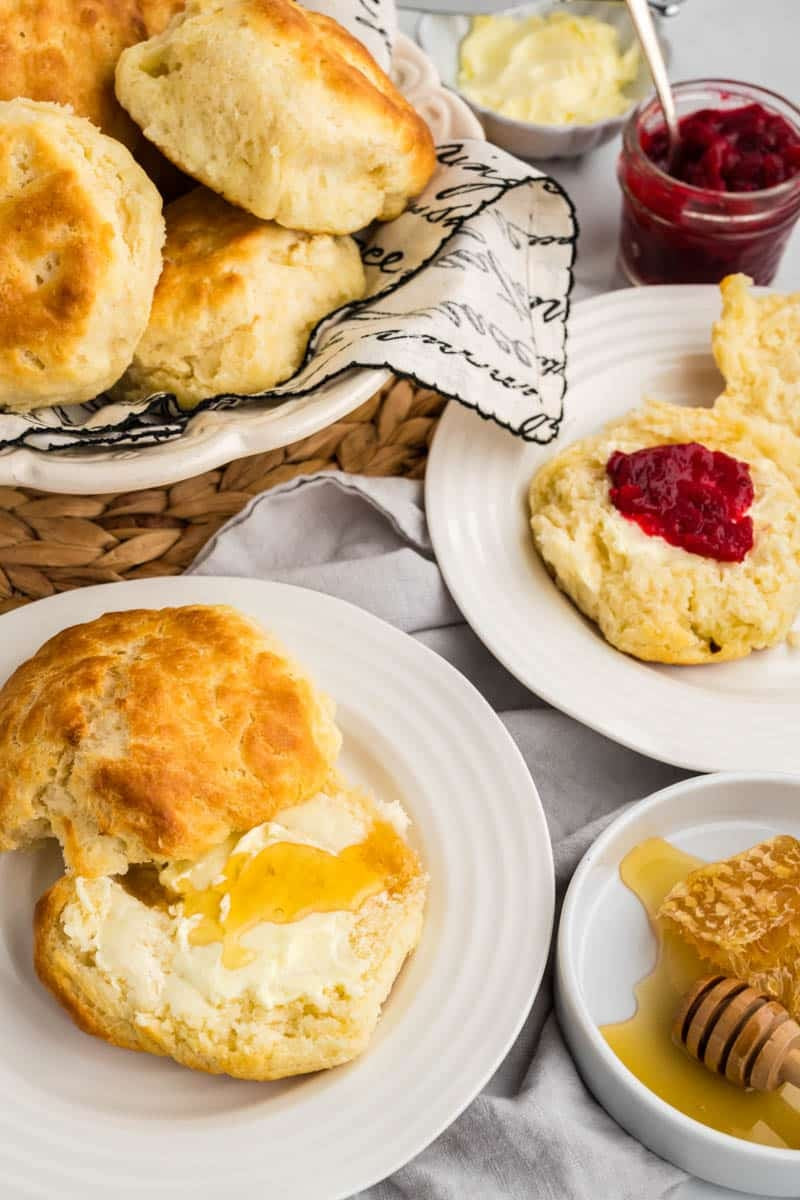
(643, 1042)
(287, 881)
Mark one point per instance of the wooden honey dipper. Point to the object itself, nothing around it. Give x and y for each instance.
(740, 1033)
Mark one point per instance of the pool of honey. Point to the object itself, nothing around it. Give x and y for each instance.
(287, 881)
(644, 1042)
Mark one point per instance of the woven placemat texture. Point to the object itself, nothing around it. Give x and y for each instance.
(50, 543)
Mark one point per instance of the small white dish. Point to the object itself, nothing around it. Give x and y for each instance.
(623, 347)
(440, 35)
(213, 438)
(88, 1121)
(605, 946)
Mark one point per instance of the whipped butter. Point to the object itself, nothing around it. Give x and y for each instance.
(210, 946)
(557, 69)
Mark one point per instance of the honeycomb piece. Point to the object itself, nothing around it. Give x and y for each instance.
(743, 915)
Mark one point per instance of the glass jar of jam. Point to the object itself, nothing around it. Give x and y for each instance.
(732, 194)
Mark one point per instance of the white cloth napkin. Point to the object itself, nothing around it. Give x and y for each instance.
(534, 1133)
(467, 292)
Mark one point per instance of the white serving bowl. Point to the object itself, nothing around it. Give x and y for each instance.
(441, 35)
(605, 945)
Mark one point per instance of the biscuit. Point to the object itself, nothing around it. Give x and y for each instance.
(236, 302)
(81, 231)
(756, 344)
(157, 14)
(304, 987)
(66, 51)
(281, 111)
(651, 599)
(152, 735)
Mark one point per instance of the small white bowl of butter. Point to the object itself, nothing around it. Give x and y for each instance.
(546, 80)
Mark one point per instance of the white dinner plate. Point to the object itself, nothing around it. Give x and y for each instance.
(82, 1120)
(623, 346)
(216, 437)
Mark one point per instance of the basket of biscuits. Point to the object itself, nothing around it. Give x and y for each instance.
(225, 225)
(115, 293)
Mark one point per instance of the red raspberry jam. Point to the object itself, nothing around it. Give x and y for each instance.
(735, 150)
(688, 495)
(732, 195)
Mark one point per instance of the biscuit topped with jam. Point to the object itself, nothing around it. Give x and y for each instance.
(675, 532)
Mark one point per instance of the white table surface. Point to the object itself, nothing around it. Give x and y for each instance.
(752, 40)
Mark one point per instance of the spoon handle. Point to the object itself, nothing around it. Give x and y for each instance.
(648, 39)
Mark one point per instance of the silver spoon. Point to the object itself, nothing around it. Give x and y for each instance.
(646, 33)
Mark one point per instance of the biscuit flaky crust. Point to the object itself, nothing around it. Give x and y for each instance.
(157, 14)
(653, 600)
(756, 344)
(241, 1037)
(236, 302)
(152, 735)
(281, 111)
(80, 253)
(66, 51)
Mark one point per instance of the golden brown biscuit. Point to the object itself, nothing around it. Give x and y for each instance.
(281, 111)
(66, 51)
(157, 14)
(756, 344)
(652, 599)
(236, 302)
(80, 253)
(153, 734)
(286, 994)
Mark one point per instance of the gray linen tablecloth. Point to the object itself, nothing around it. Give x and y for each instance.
(535, 1133)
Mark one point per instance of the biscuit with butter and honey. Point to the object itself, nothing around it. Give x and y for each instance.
(281, 111)
(674, 533)
(756, 344)
(270, 956)
(236, 302)
(157, 14)
(81, 231)
(152, 735)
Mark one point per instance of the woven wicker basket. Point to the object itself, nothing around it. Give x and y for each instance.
(51, 543)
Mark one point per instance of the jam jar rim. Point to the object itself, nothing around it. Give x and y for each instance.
(631, 142)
